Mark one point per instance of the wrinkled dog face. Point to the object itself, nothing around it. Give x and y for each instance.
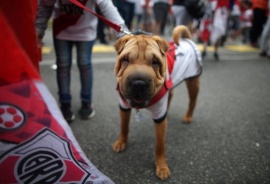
(140, 68)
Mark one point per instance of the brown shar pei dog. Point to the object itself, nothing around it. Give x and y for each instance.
(147, 69)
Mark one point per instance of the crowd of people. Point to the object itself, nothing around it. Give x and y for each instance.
(238, 20)
(242, 20)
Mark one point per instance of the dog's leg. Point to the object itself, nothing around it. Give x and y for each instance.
(193, 85)
(170, 99)
(162, 169)
(120, 143)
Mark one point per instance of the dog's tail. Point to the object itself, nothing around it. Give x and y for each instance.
(180, 32)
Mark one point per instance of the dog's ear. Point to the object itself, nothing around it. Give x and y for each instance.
(119, 45)
(163, 45)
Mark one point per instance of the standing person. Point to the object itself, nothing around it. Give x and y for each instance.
(74, 26)
(258, 21)
(161, 10)
(148, 19)
(234, 20)
(246, 19)
(126, 9)
(265, 39)
(206, 25)
(214, 24)
(138, 15)
(181, 15)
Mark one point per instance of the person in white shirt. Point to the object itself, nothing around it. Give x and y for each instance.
(234, 20)
(246, 20)
(148, 18)
(74, 26)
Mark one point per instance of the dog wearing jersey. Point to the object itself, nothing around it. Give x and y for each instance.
(147, 70)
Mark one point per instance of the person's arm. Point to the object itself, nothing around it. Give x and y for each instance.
(44, 12)
(109, 11)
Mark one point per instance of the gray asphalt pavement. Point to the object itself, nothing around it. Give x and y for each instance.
(228, 141)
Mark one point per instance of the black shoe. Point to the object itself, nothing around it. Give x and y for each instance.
(203, 54)
(255, 45)
(216, 56)
(87, 111)
(263, 54)
(67, 112)
(104, 42)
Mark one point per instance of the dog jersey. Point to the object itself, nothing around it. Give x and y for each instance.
(184, 61)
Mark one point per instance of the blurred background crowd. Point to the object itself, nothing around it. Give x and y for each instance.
(244, 21)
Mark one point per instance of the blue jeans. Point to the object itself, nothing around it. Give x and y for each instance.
(127, 11)
(63, 50)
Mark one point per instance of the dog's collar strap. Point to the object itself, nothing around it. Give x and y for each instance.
(170, 56)
(166, 86)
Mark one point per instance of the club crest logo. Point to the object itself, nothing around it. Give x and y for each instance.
(42, 166)
(46, 158)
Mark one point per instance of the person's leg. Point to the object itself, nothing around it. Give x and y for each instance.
(235, 27)
(177, 14)
(204, 52)
(84, 62)
(138, 22)
(164, 19)
(158, 15)
(128, 13)
(204, 35)
(63, 51)
(100, 29)
(259, 19)
(182, 17)
(216, 46)
(247, 31)
(265, 39)
(131, 15)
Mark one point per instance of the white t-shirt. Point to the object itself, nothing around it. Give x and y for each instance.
(247, 15)
(71, 22)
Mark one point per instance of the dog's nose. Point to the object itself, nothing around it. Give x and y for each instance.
(139, 85)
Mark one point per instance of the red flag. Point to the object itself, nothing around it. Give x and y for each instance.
(20, 16)
(36, 143)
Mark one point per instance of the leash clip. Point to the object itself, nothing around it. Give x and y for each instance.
(123, 29)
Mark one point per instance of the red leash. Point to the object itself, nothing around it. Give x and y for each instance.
(116, 27)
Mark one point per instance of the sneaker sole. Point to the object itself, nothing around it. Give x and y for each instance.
(90, 116)
(71, 119)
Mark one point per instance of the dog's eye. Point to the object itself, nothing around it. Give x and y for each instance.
(155, 62)
(125, 60)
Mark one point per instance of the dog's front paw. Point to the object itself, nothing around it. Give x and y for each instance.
(163, 171)
(186, 119)
(119, 146)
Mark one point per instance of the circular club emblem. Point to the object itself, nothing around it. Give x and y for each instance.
(41, 166)
(11, 117)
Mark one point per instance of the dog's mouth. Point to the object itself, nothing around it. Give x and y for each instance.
(137, 102)
(137, 90)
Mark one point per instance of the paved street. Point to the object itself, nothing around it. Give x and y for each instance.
(227, 142)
